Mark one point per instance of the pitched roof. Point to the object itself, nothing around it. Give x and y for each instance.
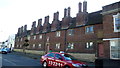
(94, 18)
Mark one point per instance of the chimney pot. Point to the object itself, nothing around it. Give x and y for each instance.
(57, 15)
(79, 6)
(39, 22)
(54, 16)
(65, 12)
(85, 6)
(25, 27)
(69, 11)
(34, 24)
(46, 19)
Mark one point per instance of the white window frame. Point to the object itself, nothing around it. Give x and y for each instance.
(20, 46)
(71, 32)
(17, 46)
(21, 39)
(89, 45)
(58, 33)
(117, 16)
(88, 29)
(58, 46)
(39, 45)
(28, 37)
(34, 37)
(40, 36)
(34, 45)
(115, 49)
(70, 45)
(18, 39)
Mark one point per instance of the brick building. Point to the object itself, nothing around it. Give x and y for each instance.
(92, 33)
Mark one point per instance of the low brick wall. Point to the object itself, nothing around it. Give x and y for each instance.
(80, 56)
(31, 51)
(84, 57)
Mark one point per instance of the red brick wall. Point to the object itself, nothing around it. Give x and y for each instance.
(108, 27)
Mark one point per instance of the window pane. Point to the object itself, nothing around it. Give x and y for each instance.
(40, 36)
(58, 34)
(51, 55)
(71, 32)
(115, 51)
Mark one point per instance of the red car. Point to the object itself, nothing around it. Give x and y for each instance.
(61, 60)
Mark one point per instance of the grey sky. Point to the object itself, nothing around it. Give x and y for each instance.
(17, 13)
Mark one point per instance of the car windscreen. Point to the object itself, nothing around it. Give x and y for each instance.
(69, 57)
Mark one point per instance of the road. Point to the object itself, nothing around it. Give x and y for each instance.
(11, 60)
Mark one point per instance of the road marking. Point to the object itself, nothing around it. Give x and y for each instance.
(9, 62)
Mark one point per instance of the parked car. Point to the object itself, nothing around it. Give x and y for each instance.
(61, 60)
(5, 50)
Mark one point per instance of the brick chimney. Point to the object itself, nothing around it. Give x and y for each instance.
(34, 24)
(33, 29)
(25, 28)
(22, 29)
(39, 26)
(85, 6)
(46, 25)
(39, 22)
(18, 33)
(65, 12)
(54, 16)
(81, 17)
(46, 19)
(57, 15)
(80, 7)
(68, 14)
(66, 21)
(55, 23)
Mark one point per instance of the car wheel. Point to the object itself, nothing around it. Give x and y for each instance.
(67, 67)
(44, 64)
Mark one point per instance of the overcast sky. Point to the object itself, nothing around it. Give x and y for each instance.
(17, 13)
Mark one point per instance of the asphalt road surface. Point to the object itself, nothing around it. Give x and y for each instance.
(11, 60)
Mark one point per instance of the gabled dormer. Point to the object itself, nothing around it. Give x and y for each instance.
(81, 18)
(66, 21)
(55, 23)
(46, 25)
(39, 27)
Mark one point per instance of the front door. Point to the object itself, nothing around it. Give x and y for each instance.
(101, 50)
(47, 47)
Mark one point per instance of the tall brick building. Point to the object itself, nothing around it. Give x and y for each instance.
(94, 33)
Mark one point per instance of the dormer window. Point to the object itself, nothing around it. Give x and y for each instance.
(116, 21)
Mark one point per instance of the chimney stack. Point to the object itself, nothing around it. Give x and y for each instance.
(34, 24)
(22, 29)
(18, 30)
(54, 16)
(57, 15)
(25, 28)
(65, 12)
(39, 22)
(85, 6)
(46, 19)
(80, 7)
(69, 11)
